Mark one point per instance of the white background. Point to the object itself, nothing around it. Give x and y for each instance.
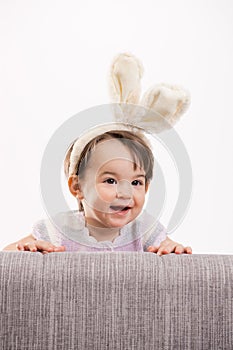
(54, 61)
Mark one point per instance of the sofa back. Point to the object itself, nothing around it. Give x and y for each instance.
(115, 300)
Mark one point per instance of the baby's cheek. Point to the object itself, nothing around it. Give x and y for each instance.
(106, 192)
(139, 194)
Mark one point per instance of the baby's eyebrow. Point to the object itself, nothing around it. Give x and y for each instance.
(115, 174)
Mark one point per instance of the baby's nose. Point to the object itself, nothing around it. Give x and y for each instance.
(124, 189)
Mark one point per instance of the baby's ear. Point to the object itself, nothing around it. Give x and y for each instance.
(125, 79)
(147, 186)
(74, 187)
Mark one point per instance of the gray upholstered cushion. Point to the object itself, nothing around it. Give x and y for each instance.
(115, 300)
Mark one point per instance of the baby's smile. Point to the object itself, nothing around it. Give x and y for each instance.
(120, 210)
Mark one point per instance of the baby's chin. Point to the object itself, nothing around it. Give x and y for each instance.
(117, 220)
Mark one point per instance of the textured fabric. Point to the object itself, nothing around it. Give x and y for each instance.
(115, 300)
(69, 229)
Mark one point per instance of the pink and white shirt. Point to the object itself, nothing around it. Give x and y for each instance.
(68, 229)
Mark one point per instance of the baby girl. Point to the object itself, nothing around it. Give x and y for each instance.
(110, 176)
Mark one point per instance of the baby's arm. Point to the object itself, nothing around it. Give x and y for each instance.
(30, 243)
(168, 246)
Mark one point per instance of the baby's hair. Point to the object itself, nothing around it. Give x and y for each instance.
(139, 149)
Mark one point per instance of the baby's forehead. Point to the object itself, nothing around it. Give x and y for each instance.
(109, 151)
(111, 147)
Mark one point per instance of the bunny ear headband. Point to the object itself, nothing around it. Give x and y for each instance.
(161, 106)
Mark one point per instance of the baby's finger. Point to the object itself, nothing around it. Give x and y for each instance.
(20, 246)
(152, 249)
(48, 247)
(163, 250)
(44, 252)
(44, 246)
(55, 249)
(59, 249)
(188, 250)
(179, 249)
(30, 246)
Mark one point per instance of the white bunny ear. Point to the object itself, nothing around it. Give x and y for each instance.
(125, 79)
(169, 101)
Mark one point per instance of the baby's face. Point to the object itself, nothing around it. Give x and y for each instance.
(113, 191)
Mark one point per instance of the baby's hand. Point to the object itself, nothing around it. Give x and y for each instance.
(40, 246)
(168, 246)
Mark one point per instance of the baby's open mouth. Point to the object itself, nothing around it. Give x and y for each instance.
(119, 208)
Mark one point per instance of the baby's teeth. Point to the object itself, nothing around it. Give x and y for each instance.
(116, 208)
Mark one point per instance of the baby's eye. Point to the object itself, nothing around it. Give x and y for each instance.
(137, 183)
(110, 181)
